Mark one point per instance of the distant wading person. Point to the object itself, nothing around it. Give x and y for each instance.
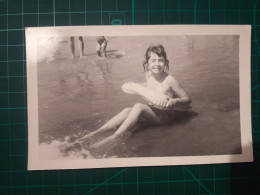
(80, 46)
(102, 45)
(162, 91)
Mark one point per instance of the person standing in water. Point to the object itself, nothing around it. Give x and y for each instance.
(102, 45)
(80, 46)
(162, 90)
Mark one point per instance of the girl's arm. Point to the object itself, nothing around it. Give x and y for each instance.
(131, 87)
(182, 100)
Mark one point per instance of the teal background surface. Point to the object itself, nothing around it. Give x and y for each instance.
(15, 15)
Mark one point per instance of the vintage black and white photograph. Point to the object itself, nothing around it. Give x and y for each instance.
(114, 96)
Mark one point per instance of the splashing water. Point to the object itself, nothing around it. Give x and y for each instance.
(48, 48)
(59, 150)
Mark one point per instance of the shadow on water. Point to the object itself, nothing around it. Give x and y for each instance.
(183, 116)
(228, 106)
(180, 118)
(115, 54)
(110, 54)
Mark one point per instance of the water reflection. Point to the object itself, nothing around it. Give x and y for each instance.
(105, 68)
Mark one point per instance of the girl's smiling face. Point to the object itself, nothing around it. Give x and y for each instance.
(156, 64)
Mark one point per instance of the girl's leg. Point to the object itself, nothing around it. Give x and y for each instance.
(138, 111)
(112, 123)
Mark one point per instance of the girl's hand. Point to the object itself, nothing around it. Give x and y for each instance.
(171, 103)
(160, 101)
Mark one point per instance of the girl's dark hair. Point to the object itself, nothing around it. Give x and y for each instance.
(159, 50)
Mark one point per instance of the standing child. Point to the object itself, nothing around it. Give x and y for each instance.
(162, 91)
(102, 45)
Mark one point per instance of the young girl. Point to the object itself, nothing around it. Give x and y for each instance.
(162, 91)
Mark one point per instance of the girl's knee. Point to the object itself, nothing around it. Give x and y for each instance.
(139, 107)
(126, 110)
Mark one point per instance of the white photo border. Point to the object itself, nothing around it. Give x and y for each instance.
(32, 33)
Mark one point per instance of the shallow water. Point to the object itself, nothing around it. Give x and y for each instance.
(77, 96)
